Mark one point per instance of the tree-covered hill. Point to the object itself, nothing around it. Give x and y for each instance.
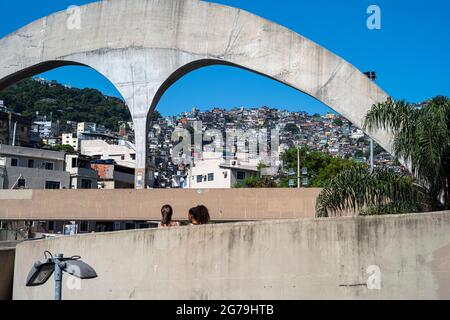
(65, 104)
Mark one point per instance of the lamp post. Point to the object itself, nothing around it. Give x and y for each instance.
(43, 270)
(372, 164)
(372, 76)
(59, 267)
(14, 134)
(298, 167)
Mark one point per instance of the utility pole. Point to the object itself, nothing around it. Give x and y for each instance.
(298, 167)
(372, 164)
(14, 134)
(372, 76)
(59, 266)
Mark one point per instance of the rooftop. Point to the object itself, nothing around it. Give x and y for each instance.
(31, 152)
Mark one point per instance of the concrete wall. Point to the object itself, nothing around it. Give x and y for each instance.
(222, 177)
(116, 205)
(108, 151)
(298, 259)
(9, 244)
(8, 120)
(36, 178)
(9, 235)
(6, 272)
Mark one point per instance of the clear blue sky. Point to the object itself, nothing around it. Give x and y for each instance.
(410, 53)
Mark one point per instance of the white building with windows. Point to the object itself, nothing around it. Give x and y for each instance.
(71, 140)
(46, 129)
(122, 152)
(28, 168)
(86, 127)
(215, 172)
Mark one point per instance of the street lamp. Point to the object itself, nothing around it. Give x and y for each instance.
(305, 180)
(43, 270)
(372, 76)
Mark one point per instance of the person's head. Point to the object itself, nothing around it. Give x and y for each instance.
(199, 215)
(166, 213)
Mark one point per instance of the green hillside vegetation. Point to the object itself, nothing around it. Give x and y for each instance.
(65, 104)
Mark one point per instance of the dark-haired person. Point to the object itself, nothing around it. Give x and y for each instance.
(166, 221)
(199, 215)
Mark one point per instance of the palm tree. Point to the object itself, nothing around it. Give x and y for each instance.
(356, 191)
(422, 139)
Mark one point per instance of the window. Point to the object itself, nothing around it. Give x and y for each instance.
(21, 183)
(74, 162)
(199, 179)
(30, 163)
(133, 156)
(52, 185)
(14, 162)
(51, 226)
(84, 226)
(211, 177)
(241, 175)
(86, 184)
(130, 226)
(49, 166)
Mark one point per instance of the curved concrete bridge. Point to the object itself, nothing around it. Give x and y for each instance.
(144, 46)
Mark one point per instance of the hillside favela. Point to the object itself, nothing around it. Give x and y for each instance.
(222, 156)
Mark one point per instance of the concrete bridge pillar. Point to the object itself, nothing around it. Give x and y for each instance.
(138, 97)
(142, 175)
(141, 77)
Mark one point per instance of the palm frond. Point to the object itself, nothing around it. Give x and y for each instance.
(356, 191)
(421, 138)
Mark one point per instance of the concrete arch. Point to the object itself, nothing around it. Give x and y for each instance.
(36, 69)
(193, 66)
(143, 46)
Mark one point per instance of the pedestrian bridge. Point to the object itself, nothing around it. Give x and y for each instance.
(382, 257)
